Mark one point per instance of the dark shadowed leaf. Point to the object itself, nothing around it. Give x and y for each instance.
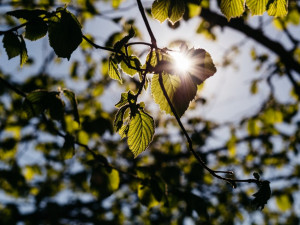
(27, 14)
(12, 45)
(36, 29)
(64, 34)
(263, 195)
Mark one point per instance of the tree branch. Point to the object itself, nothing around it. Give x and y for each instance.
(238, 24)
(142, 11)
(190, 145)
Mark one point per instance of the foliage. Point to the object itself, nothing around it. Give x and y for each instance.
(57, 139)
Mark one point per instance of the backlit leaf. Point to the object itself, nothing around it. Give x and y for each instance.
(23, 56)
(36, 29)
(64, 34)
(134, 62)
(171, 83)
(181, 87)
(232, 8)
(140, 133)
(113, 70)
(118, 122)
(168, 9)
(277, 8)
(257, 7)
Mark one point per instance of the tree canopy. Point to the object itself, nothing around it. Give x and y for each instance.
(104, 112)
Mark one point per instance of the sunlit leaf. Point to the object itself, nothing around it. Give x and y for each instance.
(257, 7)
(64, 34)
(171, 84)
(140, 133)
(113, 70)
(168, 9)
(134, 62)
(181, 87)
(277, 8)
(23, 55)
(232, 8)
(36, 29)
(118, 122)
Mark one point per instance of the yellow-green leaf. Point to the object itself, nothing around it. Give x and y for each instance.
(168, 9)
(171, 83)
(113, 70)
(232, 8)
(277, 8)
(283, 202)
(257, 7)
(134, 62)
(140, 133)
(160, 9)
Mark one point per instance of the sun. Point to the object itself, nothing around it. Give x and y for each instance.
(182, 62)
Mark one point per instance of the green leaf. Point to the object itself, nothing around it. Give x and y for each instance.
(118, 122)
(283, 202)
(257, 7)
(36, 29)
(123, 132)
(168, 9)
(23, 56)
(277, 8)
(72, 98)
(160, 10)
(124, 99)
(134, 62)
(12, 45)
(113, 70)
(171, 84)
(140, 133)
(176, 10)
(64, 34)
(181, 87)
(27, 14)
(232, 8)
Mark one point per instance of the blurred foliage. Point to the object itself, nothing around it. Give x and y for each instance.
(61, 161)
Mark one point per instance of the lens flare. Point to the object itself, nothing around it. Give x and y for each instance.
(182, 62)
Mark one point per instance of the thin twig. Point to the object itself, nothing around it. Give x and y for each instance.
(190, 145)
